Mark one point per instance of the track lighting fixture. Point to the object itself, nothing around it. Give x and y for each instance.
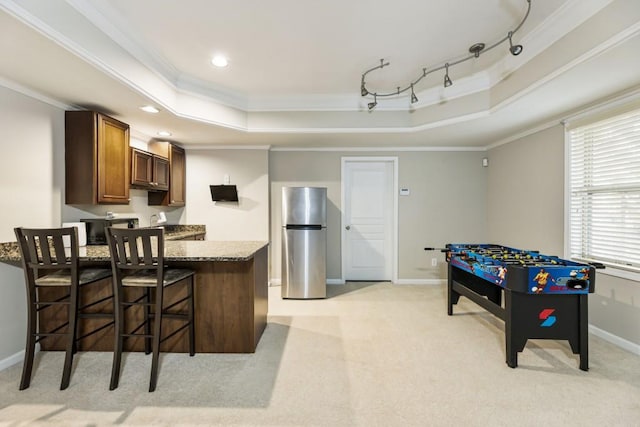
(447, 80)
(474, 52)
(514, 49)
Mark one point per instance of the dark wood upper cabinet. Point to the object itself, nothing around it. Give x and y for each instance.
(97, 164)
(161, 173)
(149, 171)
(141, 168)
(177, 167)
(177, 178)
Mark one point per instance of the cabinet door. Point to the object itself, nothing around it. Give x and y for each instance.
(177, 178)
(113, 161)
(141, 168)
(176, 196)
(160, 173)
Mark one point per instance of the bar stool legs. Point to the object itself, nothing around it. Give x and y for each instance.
(29, 351)
(137, 260)
(48, 265)
(71, 343)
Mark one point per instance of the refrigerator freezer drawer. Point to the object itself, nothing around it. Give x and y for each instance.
(304, 205)
(304, 263)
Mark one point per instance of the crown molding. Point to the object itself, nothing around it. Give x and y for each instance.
(570, 15)
(618, 100)
(104, 18)
(16, 87)
(377, 149)
(528, 132)
(201, 147)
(188, 102)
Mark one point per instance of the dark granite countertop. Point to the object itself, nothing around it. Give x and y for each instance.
(175, 249)
(181, 250)
(178, 231)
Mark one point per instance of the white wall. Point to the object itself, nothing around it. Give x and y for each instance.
(249, 171)
(447, 204)
(525, 198)
(31, 183)
(452, 199)
(526, 210)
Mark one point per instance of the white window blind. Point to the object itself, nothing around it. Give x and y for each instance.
(605, 191)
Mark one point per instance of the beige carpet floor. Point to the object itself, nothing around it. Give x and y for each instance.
(372, 354)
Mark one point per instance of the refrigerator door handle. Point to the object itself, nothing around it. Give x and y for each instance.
(303, 227)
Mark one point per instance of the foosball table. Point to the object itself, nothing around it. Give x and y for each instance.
(545, 297)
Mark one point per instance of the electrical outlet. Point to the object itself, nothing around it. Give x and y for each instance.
(434, 262)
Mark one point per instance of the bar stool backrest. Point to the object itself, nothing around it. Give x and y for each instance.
(136, 249)
(44, 249)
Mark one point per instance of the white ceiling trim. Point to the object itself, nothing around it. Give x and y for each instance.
(16, 87)
(378, 149)
(566, 18)
(599, 49)
(374, 130)
(557, 25)
(202, 107)
(554, 27)
(531, 131)
(155, 62)
(616, 101)
(198, 147)
(603, 106)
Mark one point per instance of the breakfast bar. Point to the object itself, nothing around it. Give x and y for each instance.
(231, 284)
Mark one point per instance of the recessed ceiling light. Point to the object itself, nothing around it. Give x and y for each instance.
(220, 61)
(164, 133)
(150, 109)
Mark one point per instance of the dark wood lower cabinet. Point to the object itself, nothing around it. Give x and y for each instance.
(231, 299)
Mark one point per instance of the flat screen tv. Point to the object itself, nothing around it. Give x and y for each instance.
(224, 193)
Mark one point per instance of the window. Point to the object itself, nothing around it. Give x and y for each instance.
(604, 181)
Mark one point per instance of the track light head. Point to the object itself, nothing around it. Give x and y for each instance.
(414, 98)
(447, 80)
(514, 49)
(373, 104)
(363, 90)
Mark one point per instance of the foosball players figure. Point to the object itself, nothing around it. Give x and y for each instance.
(541, 279)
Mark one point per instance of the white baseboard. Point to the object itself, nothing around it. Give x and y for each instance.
(11, 360)
(614, 339)
(420, 282)
(278, 282)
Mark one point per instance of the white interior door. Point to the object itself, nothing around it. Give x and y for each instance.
(368, 219)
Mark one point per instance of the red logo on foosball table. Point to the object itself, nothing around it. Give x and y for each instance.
(547, 318)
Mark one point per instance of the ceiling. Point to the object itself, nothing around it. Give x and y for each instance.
(295, 67)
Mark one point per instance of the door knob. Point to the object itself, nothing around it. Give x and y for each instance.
(348, 227)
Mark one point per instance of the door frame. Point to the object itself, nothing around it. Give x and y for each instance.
(394, 220)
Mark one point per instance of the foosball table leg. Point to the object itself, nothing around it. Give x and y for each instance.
(510, 350)
(514, 334)
(584, 332)
(452, 296)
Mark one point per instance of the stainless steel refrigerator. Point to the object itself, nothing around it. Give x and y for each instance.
(304, 242)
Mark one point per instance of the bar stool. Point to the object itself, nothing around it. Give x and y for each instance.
(43, 251)
(137, 260)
